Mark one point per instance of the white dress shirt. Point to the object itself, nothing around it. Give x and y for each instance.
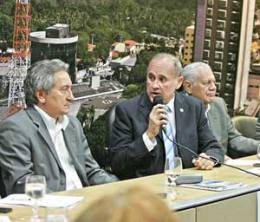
(56, 128)
(207, 110)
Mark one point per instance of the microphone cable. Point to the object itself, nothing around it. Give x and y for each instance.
(158, 100)
(213, 159)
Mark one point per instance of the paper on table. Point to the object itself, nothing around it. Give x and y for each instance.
(46, 201)
(255, 170)
(215, 185)
(238, 162)
(4, 219)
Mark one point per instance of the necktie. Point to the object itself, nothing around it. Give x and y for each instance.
(168, 139)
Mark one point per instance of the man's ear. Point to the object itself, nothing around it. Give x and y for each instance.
(41, 96)
(179, 83)
(187, 85)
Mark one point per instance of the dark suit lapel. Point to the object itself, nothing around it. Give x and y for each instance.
(43, 132)
(181, 111)
(145, 106)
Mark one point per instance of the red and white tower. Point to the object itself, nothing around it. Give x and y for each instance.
(21, 55)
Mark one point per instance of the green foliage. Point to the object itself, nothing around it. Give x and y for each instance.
(97, 140)
(122, 75)
(95, 132)
(258, 4)
(6, 25)
(86, 116)
(132, 90)
(8, 7)
(83, 44)
(107, 20)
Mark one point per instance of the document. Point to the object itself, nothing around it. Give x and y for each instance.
(4, 219)
(239, 162)
(46, 201)
(215, 185)
(255, 170)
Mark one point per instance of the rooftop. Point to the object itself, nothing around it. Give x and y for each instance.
(40, 37)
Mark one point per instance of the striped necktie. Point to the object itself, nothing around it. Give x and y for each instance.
(168, 139)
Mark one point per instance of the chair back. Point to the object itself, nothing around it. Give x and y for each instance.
(246, 125)
(2, 186)
(111, 120)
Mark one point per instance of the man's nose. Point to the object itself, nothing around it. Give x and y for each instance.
(156, 84)
(70, 95)
(212, 86)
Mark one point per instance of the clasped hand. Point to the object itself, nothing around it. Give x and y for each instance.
(157, 118)
(203, 162)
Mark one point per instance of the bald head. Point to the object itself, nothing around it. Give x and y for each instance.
(163, 76)
(168, 59)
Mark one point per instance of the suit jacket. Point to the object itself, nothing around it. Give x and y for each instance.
(26, 147)
(258, 127)
(129, 155)
(232, 142)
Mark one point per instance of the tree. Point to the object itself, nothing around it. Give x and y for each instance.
(5, 31)
(97, 140)
(86, 116)
(132, 90)
(82, 46)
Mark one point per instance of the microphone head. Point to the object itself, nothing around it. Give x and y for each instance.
(157, 100)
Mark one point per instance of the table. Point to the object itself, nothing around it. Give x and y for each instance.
(191, 205)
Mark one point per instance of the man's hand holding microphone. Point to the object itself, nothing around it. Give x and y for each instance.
(158, 119)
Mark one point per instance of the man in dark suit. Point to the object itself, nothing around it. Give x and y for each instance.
(137, 142)
(199, 81)
(43, 139)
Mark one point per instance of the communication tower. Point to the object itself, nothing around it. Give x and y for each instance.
(21, 55)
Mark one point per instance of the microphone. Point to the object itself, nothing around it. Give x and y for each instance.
(157, 100)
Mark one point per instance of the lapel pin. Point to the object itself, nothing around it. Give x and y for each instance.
(181, 110)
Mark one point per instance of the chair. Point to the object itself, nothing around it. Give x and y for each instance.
(2, 186)
(246, 125)
(110, 120)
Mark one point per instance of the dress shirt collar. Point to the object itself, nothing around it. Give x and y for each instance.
(52, 123)
(170, 104)
(207, 110)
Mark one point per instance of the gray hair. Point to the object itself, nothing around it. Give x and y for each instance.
(171, 59)
(192, 71)
(41, 77)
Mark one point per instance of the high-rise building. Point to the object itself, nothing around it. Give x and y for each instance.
(188, 46)
(223, 35)
(55, 42)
